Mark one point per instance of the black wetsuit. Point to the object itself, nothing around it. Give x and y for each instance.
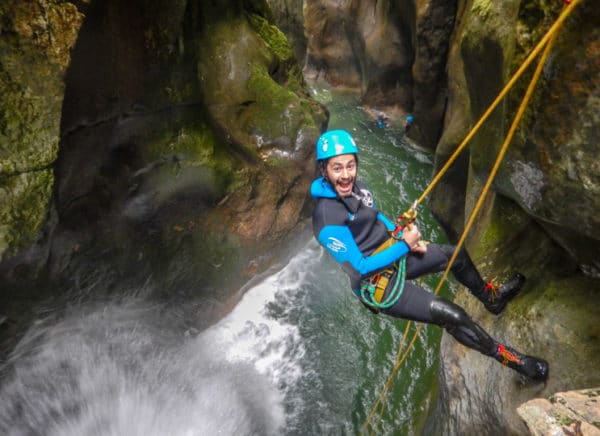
(351, 229)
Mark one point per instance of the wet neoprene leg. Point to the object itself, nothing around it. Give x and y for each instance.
(420, 305)
(494, 298)
(464, 270)
(456, 322)
(436, 259)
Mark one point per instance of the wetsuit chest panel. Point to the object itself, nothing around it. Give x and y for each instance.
(351, 229)
(357, 214)
(368, 232)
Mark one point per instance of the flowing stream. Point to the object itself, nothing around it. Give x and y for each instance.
(298, 355)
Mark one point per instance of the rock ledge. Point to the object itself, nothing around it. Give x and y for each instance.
(565, 413)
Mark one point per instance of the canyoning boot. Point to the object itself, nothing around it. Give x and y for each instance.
(495, 298)
(531, 367)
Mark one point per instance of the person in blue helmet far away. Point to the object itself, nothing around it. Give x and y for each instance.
(408, 123)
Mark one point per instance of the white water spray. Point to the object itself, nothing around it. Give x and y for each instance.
(128, 368)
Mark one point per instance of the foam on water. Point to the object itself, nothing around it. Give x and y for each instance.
(251, 335)
(129, 368)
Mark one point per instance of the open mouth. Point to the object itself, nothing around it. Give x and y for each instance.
(345, 187)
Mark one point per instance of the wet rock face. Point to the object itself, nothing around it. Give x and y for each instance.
(564, 413)
(177, 121)
(558, 155)
(393, 52)
(289, 17)
(551, 169)
(253, 89)
(435, 22)
(35, 42)
(552, 319)
(522, 226)
(361, 45)
(330, 57)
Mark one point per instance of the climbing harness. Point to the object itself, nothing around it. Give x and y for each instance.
(546, 43)
(373, 288)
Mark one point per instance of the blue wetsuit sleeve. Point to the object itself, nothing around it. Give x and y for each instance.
(338, 241)
(390, 226)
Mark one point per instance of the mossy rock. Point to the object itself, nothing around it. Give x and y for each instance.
(24, 203)
(35, 43)
(254, 89)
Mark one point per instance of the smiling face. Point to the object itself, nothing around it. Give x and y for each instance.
(341, 173)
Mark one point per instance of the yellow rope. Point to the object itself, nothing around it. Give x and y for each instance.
(499, 159)
(546, 42)
(383, 391)
(552, 31)
(396, 367)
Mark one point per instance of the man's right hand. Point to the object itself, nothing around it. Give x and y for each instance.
(412, 236)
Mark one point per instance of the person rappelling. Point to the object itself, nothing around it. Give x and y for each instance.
(382, 258)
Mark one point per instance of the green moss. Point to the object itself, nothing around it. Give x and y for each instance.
(281, 49)
(28, 129)
(482, 8)
(275, 38)
(24, 203)
(274, 106)
(295, 80)
(496, 231)
(507, 240)
(193, 144)
(561, 307)
(565, 421)
(265, 90)
(504, 221)
(531, 13)
(179, 92)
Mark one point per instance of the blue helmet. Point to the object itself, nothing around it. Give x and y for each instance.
(335, 143)
(409, 118)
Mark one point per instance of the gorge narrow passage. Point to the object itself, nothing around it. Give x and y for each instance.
(297, 355)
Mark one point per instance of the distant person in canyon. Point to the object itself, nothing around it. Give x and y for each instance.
(381, 260)
(382, 120)
(408, 123)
